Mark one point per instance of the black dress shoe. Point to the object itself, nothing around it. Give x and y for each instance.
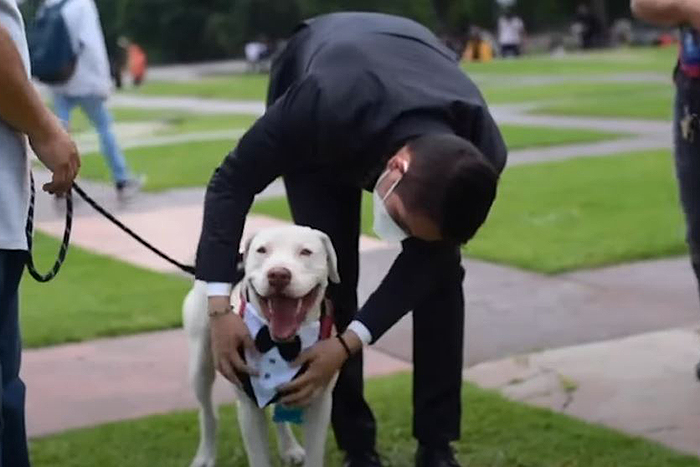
(362, 459)
(435, 456)
(697, 370)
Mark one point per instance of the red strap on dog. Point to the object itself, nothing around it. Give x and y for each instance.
(244, 303)
(326, 320)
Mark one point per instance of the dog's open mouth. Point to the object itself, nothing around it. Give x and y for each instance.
(285, 314)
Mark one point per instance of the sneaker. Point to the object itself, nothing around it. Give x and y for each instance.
(127, 190)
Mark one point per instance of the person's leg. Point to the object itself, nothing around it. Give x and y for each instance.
(96, 110)
(335, 210)
(687, 158)
(438, 338)
(14, 438)
(62, 107)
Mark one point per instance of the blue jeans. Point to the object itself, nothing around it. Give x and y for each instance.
(96, 110)
(13, 448)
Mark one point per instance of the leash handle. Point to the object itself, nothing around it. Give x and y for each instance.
(30, 235)
(66, 234)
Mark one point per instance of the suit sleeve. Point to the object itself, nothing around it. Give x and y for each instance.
(487, 137)
(418, 270)
(280, 141)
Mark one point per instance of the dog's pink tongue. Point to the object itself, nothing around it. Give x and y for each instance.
(284, 322)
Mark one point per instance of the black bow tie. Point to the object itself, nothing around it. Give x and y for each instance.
(288, 350)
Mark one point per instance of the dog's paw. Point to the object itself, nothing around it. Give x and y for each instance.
(203, 461)
(293, 456)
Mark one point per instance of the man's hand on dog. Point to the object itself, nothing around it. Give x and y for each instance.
(228, 335)
(324, 360)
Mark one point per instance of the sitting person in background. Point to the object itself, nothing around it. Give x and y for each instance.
(477, 49)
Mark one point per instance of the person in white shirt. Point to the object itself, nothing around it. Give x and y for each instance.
(90, 86)
(22, 115)
(511, 32)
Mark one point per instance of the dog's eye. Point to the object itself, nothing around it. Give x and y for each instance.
(262, 250)
(306, 252)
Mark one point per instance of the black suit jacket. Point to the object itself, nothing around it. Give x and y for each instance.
(356, 87)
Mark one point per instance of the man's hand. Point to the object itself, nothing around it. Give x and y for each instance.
(57, 151)
(324, 360)
(692, 10)
(229, 334)
(668, 12)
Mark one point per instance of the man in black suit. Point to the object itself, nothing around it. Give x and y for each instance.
(362, 100)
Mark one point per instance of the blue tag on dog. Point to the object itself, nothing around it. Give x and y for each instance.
(282, 414)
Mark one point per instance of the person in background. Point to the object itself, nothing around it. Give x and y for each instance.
(138, 61)
(90, 86)
(118, 61)
(477, 48)
(511, 32)
(686, 15)
(588, 25)
(22, 115)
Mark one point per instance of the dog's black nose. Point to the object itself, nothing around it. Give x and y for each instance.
(279, 278)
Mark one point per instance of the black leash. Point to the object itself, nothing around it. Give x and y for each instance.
(66, 235)
(30, 236)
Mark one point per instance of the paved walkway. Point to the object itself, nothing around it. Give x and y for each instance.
(642, 384)
(78, 385)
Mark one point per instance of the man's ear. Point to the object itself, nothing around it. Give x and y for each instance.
(400, 161)
(331, 258)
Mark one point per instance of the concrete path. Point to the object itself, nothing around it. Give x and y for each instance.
(643, 384)
(86, 384)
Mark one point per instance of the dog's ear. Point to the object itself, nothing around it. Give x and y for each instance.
(331, 258)
(246, 247)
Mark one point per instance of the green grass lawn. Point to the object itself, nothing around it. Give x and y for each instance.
(653, 105)
(624, 60)
(238, 87)
(254, 87)
(175, 122)
(173, 166)
(95, 296)
(580, 213)
(522, 137)
(495, 433)
(192, 164)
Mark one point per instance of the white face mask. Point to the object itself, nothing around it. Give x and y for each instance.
(384, 225)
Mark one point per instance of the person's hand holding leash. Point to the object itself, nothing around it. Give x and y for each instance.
(57, 151)
(324, 360)
(228, 334)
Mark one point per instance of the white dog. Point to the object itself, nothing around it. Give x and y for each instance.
(287, 271)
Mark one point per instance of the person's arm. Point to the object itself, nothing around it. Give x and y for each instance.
(420, 268)
(668, 12)
(279, 141)
(21, 108)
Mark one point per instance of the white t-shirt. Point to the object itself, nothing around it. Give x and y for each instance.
(91, 77)
(510, 31)
(14, 164)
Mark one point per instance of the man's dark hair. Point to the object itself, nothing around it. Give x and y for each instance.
(451, 182)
